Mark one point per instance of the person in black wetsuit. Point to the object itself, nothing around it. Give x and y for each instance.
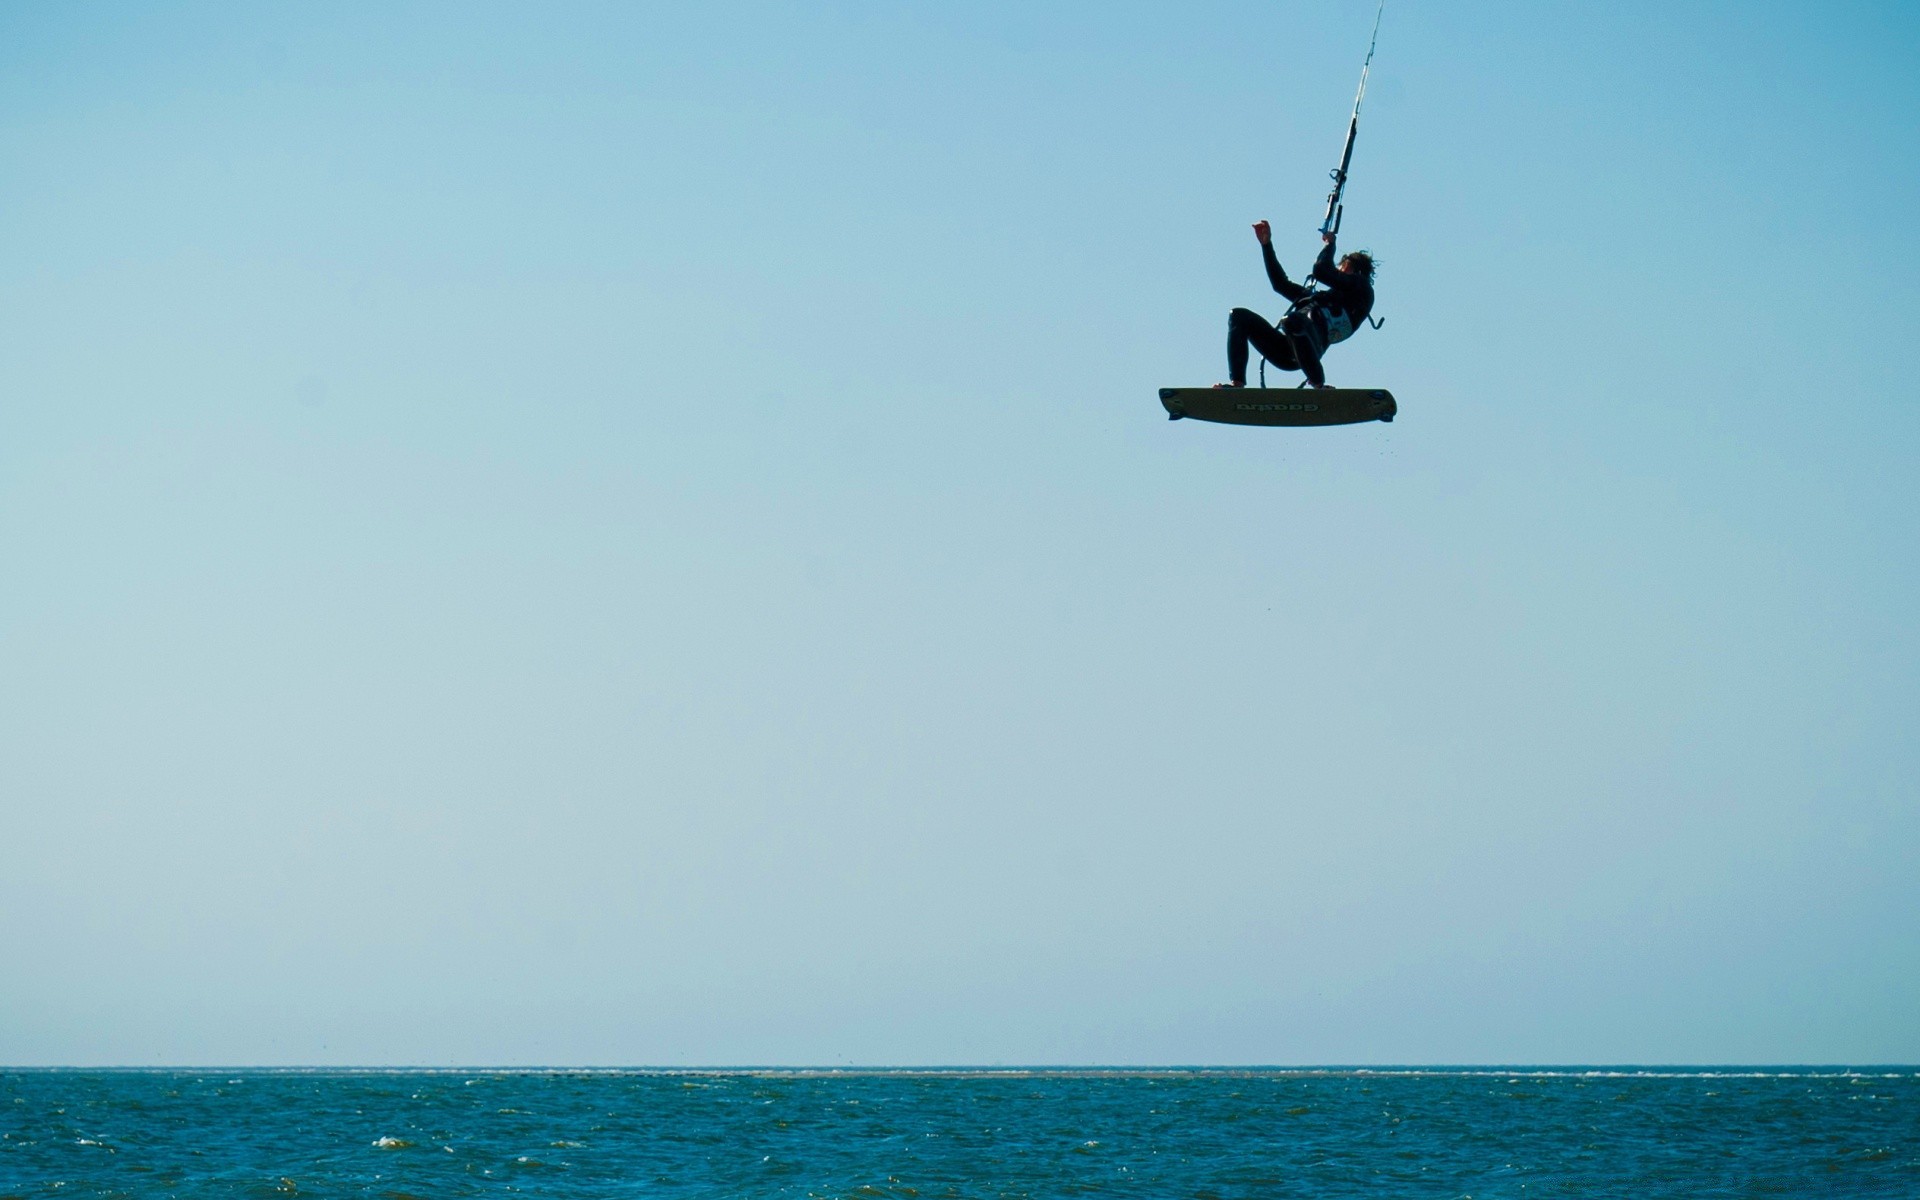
(1305, 333)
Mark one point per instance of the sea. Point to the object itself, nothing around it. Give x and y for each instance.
(1452, 1134)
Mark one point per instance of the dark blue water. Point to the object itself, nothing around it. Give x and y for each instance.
(1444, 1134)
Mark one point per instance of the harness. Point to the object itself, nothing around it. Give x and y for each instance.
(1335, 324)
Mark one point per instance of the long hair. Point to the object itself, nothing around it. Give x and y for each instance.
(1362, 262)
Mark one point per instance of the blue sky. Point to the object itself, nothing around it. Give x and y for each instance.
(585, 534)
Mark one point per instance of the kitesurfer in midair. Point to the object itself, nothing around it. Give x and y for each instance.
(1318, 318)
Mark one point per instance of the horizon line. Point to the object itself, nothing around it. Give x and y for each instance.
(1648, 1070)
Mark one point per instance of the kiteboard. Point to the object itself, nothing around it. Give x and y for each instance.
(1279, 406)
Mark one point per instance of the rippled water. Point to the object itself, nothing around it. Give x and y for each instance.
(1321, 1134)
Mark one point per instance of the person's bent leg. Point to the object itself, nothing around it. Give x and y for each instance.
(1245, 326)
(1303, 334)
(1237, 345)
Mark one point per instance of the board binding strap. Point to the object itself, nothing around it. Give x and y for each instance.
(1279, 406)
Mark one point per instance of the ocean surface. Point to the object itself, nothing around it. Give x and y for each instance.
(878, 1134)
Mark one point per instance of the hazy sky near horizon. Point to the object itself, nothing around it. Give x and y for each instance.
(631, 534)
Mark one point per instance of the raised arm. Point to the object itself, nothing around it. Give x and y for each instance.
(1276, 275)
(1323, 268)
(1350, 290)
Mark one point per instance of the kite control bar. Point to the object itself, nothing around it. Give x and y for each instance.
(1335, 210)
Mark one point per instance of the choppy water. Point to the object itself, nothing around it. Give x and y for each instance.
(1320, 1134)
